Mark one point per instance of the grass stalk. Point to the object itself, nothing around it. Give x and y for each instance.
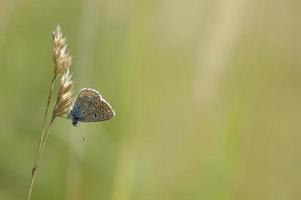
(40, 144)
(62, 62)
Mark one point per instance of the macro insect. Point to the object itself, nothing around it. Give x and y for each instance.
(89, 106)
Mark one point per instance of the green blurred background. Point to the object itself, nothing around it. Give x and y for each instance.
(207, 97)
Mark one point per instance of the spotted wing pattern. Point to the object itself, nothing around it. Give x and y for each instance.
(89, 106)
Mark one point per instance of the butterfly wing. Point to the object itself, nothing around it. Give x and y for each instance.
(89, 106)
(103, 112)
(84, 103)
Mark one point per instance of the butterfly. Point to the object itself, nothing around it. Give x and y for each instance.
(89, 106)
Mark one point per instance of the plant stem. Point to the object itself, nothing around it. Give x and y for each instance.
(41, 141)
(45, 141)
(45, 117)
(47, 131)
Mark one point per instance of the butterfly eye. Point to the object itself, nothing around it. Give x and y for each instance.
(91, 109)
(84, 112)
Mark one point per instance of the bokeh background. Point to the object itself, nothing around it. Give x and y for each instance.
(207, 96)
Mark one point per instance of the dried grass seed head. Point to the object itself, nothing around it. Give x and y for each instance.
(64, 100)
(61, 56)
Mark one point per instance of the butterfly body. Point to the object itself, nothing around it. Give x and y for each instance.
(89, 106)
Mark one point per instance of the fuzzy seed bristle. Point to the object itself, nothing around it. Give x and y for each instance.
(61, 56)
(64, 100)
